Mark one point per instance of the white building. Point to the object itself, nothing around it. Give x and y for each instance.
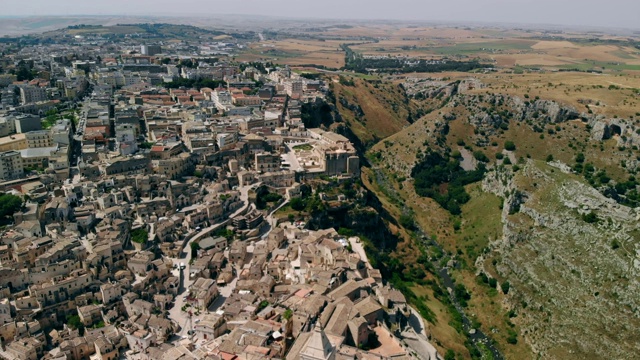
(222, 99)
(150, 50)
(11, 165)
(226, 139)
(61, 132)
(126, 139)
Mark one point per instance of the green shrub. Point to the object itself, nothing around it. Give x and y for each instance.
(590, 218)
(139, 236)
(407, 222)
(615, 244)
(456, 225)
(9, 204)
(480, 156)
(505, 287)
(436, 170)
(297, 204)
(450, 355)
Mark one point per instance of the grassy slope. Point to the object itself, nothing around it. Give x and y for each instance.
(444, 335)
(384, 106)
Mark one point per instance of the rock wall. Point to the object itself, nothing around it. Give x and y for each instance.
(579, 281)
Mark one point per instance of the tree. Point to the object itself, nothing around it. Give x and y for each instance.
(615, 244)
(291, 218)
(139, 236)
(263, 196)
(436, 170)
(73, 321)
(99, 325)
(480, 156)
(188, 63)
(462, 294)
(24, 73)
(305, 191)
(263, 304)
(288, 314)
(509, 145)
(225, 233)
(194, 249)
(580, 158)
(9, 204)
(407, 222)
(50, 119)
(297, 204)
(450, 355)
(505, 287)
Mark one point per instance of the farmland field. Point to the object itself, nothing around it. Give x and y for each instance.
(503, 48)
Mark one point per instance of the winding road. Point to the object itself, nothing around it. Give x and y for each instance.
(175, 313)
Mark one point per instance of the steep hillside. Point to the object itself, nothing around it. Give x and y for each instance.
(534, 249)
(373, 110)
(570, 255)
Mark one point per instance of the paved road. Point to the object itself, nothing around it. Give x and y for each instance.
(225, 292)
(270, 220)
(359, 249)
(244, 197)
(175, 313)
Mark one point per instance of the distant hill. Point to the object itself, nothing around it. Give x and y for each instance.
(159, 30)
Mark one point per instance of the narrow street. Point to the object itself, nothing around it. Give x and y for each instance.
(175, 313)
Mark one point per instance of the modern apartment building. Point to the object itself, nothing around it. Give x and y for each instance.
(11, 165)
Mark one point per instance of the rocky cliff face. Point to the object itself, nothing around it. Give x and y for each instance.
(571, 255)
(575, 283)
(546, 111)
(625, 131)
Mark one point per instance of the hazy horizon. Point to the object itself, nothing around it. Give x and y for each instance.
(587, 13)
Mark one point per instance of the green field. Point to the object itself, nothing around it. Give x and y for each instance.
(599, 65)
(483, 47)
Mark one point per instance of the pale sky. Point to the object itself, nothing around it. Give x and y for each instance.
(609, 13)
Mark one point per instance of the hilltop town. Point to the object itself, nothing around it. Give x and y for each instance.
(148, 178)
(248, 188)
